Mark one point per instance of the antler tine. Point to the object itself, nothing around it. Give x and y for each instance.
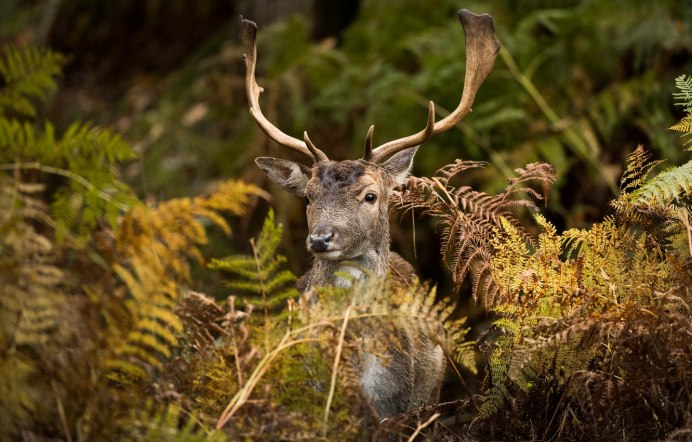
(481, 50)
(367, 156)
(314, 151)
(248, 36)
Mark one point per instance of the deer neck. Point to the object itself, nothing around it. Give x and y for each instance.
(373, 262)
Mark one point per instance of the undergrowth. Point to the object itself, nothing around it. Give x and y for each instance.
(101, 337)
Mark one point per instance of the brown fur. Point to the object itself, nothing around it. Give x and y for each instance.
(359, 244)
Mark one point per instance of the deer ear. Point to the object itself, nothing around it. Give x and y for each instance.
(399, 165)
(291, 176)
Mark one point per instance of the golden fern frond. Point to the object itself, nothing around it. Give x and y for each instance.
(684, 125)
(173, 230)
(155, 324)
(639, 165)
(158, 244)
(232, 196)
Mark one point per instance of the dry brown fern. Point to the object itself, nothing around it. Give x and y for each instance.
(468, 219)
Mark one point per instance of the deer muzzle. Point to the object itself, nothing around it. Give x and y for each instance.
(321, 238)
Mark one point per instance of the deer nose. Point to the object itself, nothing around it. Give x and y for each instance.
(320, 238)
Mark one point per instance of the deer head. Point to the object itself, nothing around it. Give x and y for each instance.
(347, 200)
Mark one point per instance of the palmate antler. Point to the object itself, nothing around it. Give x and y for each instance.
(481, 51)
(248, 35)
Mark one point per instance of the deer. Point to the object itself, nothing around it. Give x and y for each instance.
(348, 217)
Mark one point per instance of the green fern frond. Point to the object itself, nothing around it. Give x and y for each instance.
(493, 401)
(154, 423)
(29, 76)
(86, 157)
(684, 85)
(260, 275)
(666, 187)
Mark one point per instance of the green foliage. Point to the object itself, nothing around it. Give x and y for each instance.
(84, 156)
(152, 425)
(28, 78)
(666, 187)
(684, 85)
(576, 81)
(91, 278)
(260, 275)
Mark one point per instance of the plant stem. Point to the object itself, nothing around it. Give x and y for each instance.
(335, 368)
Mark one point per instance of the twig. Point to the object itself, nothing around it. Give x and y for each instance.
(557, 407)
(64, 173)
(335, 368)
(423, 425)
(456, 370)
(263, 289)
(231, 301)
(243, 394)
(61, 412)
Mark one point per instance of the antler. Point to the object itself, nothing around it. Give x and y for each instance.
(481, 51)
(248, 36)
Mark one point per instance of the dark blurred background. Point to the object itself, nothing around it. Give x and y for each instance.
(579, 84)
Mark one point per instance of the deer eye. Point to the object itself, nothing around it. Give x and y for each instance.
(370, 197)
(307, 200)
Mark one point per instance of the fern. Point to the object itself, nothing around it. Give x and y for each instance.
(85, 156)
(92, 279)
(159, 244)
(468, 219)
(684, 85)
(570, 306)
(562, 320)
(167, 423)
(35, 306)
(668, 187)
(29, 76)
(260, 275)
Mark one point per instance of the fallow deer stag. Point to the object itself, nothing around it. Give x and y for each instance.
(348, 218)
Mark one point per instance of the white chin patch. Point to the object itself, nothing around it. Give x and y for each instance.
(332, 255)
